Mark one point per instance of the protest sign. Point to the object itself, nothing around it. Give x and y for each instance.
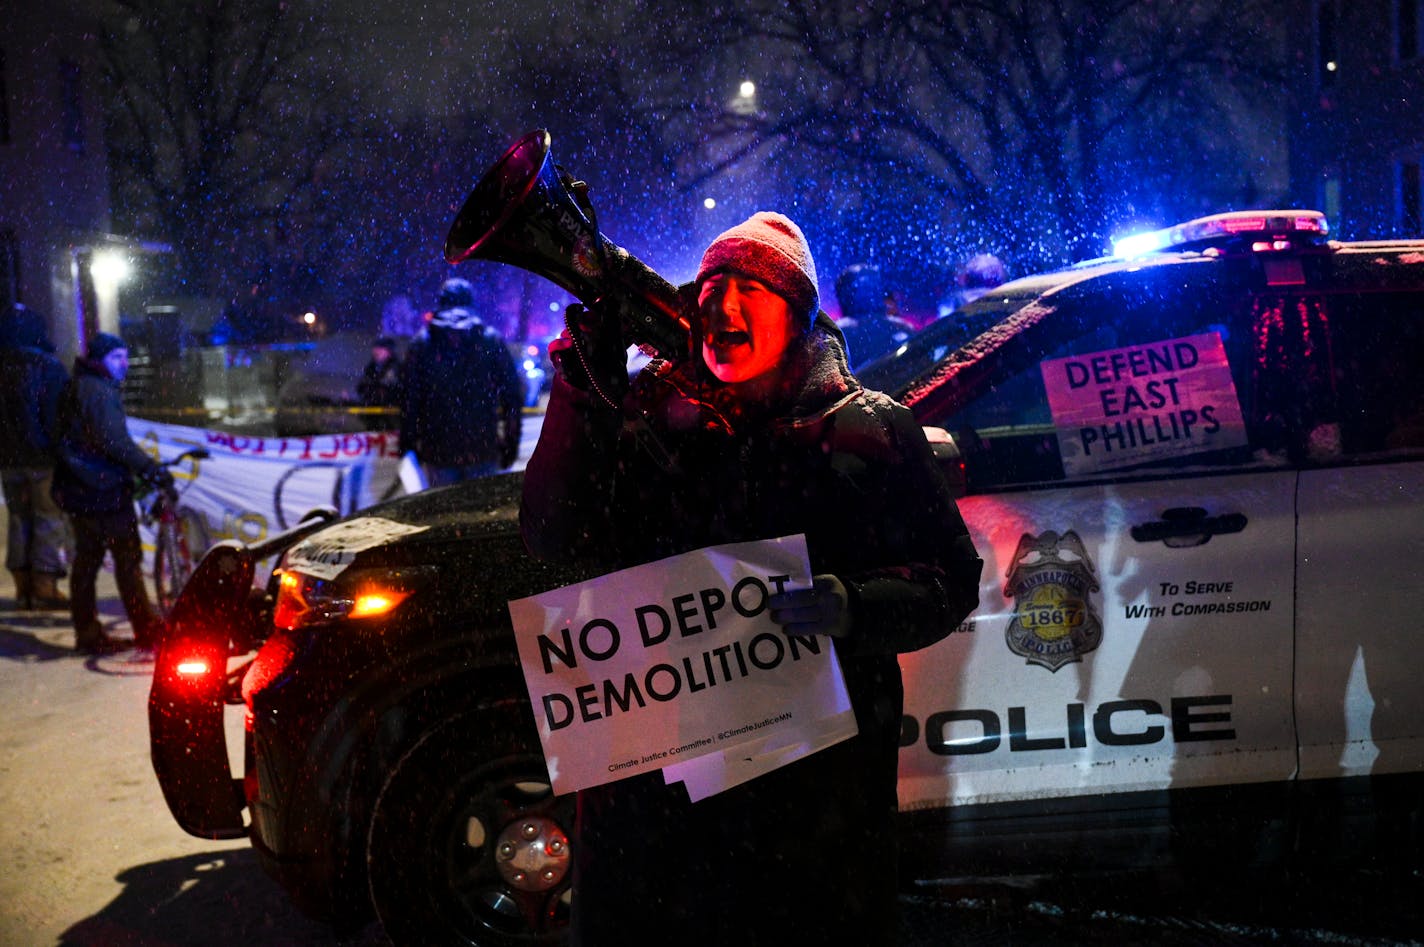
(1121, 407)
(706, 775)
(675, 660)
(330, 552)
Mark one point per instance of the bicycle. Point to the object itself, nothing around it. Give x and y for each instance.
(181, 536)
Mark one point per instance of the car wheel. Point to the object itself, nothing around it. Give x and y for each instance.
(468, 843)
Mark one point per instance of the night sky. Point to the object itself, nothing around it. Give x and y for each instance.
(439, 57)
(585, 77)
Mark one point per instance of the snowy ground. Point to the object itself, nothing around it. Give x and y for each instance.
(88, 852)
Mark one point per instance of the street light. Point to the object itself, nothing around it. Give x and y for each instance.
(745, 102)
(109, 268)
(96, 269)
(98, 272)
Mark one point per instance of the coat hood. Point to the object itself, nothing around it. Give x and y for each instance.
(24, 329)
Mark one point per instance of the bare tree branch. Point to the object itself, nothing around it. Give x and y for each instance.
(219, 117)
(1028, 115)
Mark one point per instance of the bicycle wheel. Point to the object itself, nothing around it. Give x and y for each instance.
(169, 566)
(193, 531)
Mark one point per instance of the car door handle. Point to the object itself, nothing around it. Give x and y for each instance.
(1183, 526)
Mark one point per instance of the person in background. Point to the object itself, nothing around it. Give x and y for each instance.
(462, 397)
(31, 382)
(974, 277)
(869, 317)
(763, 432)
(380, 384)
(94, 483)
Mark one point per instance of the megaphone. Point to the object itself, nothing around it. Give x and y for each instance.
(522, 213)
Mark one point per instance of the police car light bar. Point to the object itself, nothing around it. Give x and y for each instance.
(1274, 229)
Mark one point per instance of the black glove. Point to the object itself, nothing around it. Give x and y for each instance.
(592, 346)
(160, 478)
(822, 609)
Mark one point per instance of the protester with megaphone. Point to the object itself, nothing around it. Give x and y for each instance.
(762, 431)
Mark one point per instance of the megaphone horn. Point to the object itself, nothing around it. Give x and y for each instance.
(521, 213)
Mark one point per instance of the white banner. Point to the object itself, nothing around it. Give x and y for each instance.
(678, 660)
(252, 487)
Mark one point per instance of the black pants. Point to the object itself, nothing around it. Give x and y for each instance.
(116, 533)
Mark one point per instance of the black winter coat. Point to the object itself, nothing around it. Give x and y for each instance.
(461, 398)
(97, 459)
(380, 386)
(31, 382)
(804, 854)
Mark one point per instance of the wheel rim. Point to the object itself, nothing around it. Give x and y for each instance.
(503, 854)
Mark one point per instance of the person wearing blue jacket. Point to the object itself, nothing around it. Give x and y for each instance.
(94, 484)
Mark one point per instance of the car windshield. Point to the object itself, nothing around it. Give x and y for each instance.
(894, 372)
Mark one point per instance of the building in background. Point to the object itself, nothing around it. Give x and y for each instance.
(1357, 141)
(56, 252)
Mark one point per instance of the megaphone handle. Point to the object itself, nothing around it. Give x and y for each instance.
(643, 434)
(580, 346)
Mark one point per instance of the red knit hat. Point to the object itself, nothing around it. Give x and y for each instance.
(771, 248)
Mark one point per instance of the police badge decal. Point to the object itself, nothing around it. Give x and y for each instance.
(1049, 579)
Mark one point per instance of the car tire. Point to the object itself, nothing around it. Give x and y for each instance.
(468, 843)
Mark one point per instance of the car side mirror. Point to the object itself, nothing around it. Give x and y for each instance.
(950, 460)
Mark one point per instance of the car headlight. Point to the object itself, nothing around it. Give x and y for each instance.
(304, 600)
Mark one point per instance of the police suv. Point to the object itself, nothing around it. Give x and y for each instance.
(1195, 472)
